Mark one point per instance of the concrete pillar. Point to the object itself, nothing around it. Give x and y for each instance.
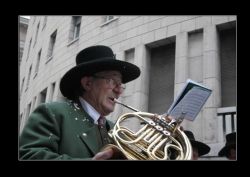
(211, 79)
(139, 98)
(181, 66)
(141, 90)
(181, 60)
(118, 111)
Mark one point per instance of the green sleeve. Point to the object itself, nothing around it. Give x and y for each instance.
(41, 135)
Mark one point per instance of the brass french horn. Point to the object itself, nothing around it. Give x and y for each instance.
(158, 138)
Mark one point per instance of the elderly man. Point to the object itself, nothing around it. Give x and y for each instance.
(229, 150)
(77, 129)
(198, 147)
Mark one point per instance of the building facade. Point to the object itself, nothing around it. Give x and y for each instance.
(168, 50)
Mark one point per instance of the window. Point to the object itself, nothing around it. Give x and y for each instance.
(28, 80)
(29, 49)
(22, 87)
(129, 55)
(38, 62)
(27, 113)
(20, 120)
(43, 96)
(51, 44)
(228, 67)
(45, 21)
(33, 105)
(21, 51)
(52, 91)
(161, 87)
(37, 30)
(108, 18)
(75, 28)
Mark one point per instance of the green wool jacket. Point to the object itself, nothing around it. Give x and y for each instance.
(60, 131)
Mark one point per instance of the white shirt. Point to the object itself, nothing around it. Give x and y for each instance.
(90, 110)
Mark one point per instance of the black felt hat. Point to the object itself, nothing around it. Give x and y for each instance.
(202, 147)
(92, 60)
(230, 143)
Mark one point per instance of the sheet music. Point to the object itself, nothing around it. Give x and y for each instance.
(190, 101)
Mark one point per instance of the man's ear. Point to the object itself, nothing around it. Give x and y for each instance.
(86, 83)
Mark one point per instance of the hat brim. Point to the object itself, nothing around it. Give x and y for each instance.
(71, 80)
(225, 150)
(202, 148)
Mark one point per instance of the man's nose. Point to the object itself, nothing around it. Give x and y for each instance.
(118, 90)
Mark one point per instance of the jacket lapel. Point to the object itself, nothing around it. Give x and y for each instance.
(88, 137)
(87, 129)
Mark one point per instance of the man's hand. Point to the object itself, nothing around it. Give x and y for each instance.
(169, 119)
(104, 155)
(110, 152)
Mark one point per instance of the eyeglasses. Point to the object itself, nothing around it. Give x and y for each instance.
(112, 82)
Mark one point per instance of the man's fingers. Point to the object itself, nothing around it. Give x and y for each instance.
(107, 154)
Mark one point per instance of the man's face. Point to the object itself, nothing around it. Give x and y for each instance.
(102, 89)
(232, 154)
(195, 153)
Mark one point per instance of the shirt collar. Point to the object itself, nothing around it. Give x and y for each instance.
(90, 110)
